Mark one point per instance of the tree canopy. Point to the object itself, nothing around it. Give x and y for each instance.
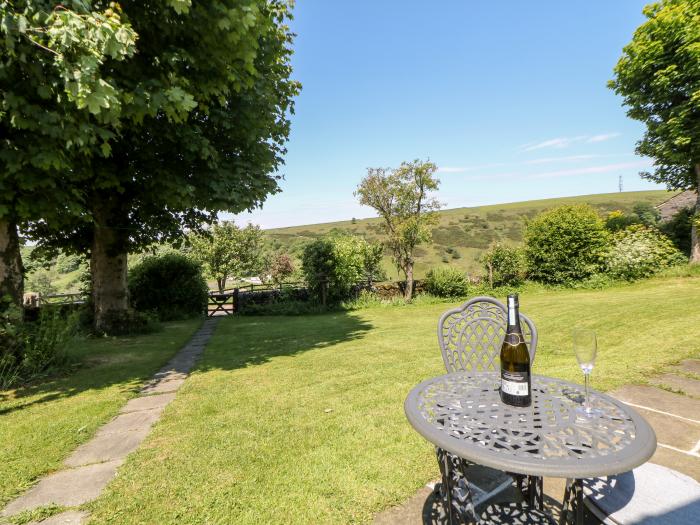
(658, 77)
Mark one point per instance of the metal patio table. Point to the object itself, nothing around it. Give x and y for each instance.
(462, 413)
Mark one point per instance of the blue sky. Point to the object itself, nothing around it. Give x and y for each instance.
(509, 99)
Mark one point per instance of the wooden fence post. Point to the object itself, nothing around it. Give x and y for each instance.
(236, 306)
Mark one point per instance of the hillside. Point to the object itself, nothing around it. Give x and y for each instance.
(464, 233)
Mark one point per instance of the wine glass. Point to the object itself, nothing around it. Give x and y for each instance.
(585, 348)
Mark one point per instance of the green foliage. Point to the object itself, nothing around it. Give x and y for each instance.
(41, 281)
(618, 220)
(372, 263)
(647, 213)
(402, 198)
(504, 265)
(227, 251)
(446, 282)
(639, 252)
(678, 229)
(565, 244)
(333, 265)
(31, 349)
(280, 267)
(66, 263)
(657, 77)
(171, 285)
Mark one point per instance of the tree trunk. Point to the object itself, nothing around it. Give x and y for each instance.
(11, 271)
(408, 292)
(108, 267)
(221, 284)
(695, 231)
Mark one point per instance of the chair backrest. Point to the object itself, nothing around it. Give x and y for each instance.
(471, 335)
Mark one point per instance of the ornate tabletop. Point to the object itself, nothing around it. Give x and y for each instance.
(463, 414)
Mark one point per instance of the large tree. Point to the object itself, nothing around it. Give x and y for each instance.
(57, 109)
(403, 199)
(659, 79)
(204, 118)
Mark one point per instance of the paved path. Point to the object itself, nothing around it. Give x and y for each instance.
(671, 404)
(92, 465)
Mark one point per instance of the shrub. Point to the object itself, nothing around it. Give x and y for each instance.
(31, 349)
(565, 244)
(333, 265)
(504, 265)
(446, 282)
(647, 214)
(66, 263)
(678, 229)
(618, 220)
(171, 285)
(639, 252)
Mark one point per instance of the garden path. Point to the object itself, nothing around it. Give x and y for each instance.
(671, 404)
(92, 465)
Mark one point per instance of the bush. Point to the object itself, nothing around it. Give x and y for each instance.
(618, 220)
(504, 265)
(647, 214)
(333, 265)
(28, 350)
(639, 252)
(446, 282)
(171, 285)
(678, 229)
(565, 244)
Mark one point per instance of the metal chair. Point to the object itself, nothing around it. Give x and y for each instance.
(470, 338)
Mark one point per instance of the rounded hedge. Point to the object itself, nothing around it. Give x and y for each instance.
(565, 244)
(171, 285)
(446, 282)
(504, 265)
(639, 252)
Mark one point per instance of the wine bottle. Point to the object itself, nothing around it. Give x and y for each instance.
(515, 361)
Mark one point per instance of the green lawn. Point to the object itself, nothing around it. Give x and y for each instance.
(42, 424)
(300, 419)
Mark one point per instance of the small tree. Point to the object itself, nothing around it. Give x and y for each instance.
(504, 265)
(229, 252)
(402, 198)
(280, 267)
(657, 77)
(333, 265)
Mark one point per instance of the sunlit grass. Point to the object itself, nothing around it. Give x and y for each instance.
(41, 424)
(300, 419)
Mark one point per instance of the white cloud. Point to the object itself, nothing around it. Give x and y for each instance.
(592, 169)
(570, 158)
(602, 137)
(565, 142)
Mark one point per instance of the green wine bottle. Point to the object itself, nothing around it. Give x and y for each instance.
(515, 361)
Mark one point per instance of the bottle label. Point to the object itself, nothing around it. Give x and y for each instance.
(514, 383)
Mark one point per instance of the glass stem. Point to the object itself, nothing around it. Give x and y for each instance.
(587, 406)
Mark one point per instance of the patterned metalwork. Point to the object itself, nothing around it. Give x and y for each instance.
(463, 414)
(471, 336)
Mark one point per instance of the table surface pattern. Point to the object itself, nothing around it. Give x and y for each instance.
(463, 413)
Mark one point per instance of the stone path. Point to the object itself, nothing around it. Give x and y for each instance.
(93, 465)
(671, 404)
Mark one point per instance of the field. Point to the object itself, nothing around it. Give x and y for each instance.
(300, 419)
(464, 233)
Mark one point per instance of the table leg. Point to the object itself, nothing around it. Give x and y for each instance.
(573, 501)
(455, 492)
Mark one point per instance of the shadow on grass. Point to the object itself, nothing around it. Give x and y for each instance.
(246, 341)
(96, 364)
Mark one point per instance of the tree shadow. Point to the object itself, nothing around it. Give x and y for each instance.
(241, 342)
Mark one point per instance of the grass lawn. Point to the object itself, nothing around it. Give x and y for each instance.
(300, 419)
(40, 425)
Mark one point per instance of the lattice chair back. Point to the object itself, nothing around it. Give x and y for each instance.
(471, 335)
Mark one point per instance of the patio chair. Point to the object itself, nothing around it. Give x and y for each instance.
(470, 338)
(650, 494)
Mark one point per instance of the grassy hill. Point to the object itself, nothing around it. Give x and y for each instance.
(464, 233)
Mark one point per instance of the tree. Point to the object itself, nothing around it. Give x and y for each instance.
(280, 267)
(402, 198)
(229, 252)
(57, 107)
(202, 116)
(333, 265)
(372, 264)
(658, 77)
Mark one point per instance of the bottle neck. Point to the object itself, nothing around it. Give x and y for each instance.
(513, 314)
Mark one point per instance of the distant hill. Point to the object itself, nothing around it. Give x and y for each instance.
(464, 233)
